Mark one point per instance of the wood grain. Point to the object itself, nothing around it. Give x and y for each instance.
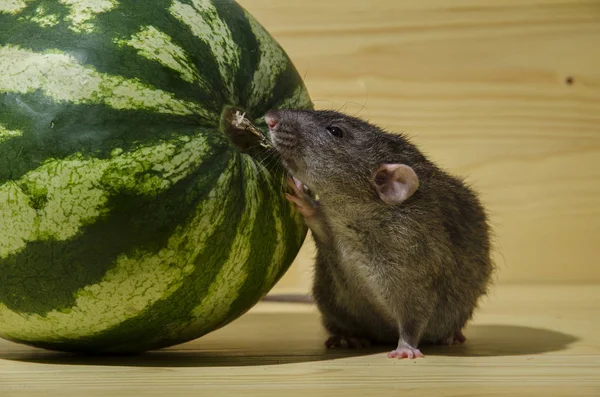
(525, 341)
(504, 92)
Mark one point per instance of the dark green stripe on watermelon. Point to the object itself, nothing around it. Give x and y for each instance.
(54, 130)
(134, 222)
(241, 32)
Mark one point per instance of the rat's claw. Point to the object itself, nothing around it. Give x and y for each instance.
(293, 199)
(303, 206)
(405, 352)
(304, 203)
(295, 185)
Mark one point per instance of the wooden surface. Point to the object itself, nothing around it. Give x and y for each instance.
(503, 92)
(525, 341)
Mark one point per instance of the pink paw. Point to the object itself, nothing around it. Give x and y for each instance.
(347, 342)
(300, 198)
(405, 352)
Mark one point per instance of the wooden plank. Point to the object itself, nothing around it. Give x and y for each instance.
(526, 341)
(503, 92)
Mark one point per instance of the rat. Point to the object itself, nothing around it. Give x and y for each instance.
(403, 247)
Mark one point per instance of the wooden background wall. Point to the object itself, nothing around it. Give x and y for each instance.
(504, 92)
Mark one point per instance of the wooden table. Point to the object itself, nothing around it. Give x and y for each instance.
(525, 340)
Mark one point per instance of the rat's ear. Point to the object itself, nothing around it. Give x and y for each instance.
(395, 183)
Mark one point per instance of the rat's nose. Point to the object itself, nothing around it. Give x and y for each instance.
(271, 120)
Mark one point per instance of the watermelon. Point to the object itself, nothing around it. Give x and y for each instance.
(140, 204)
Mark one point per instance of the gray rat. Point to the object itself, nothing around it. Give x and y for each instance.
(403, 248)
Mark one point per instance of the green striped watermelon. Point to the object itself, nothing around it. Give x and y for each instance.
(134, 215)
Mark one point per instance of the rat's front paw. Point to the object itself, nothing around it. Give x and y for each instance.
(347, 342)
(304, 203)
(310, 210)
(405, 352)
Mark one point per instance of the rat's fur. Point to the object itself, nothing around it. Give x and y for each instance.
(405, 273)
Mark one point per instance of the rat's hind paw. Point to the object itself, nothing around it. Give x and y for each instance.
(347, 342)
(405, 352)
(304, 203)
(457, 339)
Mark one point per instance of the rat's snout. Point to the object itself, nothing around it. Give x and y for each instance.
(283, 132)
(272, 120)
(286, 136)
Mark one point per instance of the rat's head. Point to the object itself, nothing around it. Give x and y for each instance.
(335, 154)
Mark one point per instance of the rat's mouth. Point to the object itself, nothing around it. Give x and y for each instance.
(285, 145)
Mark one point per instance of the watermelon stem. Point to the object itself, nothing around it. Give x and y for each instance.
(244, 135)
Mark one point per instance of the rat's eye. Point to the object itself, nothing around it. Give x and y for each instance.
(335, 131)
